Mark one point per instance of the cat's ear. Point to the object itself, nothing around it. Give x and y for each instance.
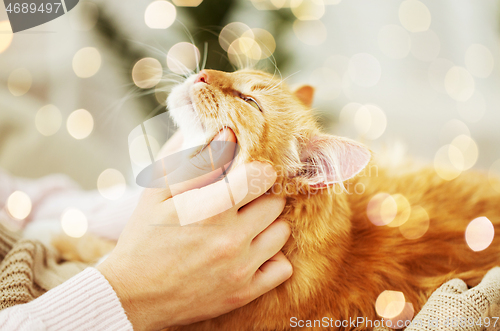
(305, 94)
(329, 159)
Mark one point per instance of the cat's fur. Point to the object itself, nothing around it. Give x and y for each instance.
(341, 261)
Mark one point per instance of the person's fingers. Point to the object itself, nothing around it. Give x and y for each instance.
(173, 145)
(270, 241)
(257, 178)
(205, 167)
(271, 274)
(229, 193)
(258, 214)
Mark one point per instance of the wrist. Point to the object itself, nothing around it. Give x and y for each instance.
(124, 292)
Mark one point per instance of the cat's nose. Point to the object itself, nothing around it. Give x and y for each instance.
(202, 77)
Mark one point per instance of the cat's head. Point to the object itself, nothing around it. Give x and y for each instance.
(270, 121)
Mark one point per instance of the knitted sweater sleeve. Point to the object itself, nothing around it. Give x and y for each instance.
(84, 302)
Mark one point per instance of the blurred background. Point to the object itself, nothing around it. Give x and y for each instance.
(415, 76)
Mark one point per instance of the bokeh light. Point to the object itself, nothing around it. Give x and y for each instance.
(147, 72)
(416, 225)
(494, 175)
(74, 222)
(473, 109)
(86, 17)
(160, 14)
(187, 3)
(19, 205)
(6, 35)
(370, 122)
(231, 32)
(448, 162)
(364, 69)
(390, 304)
(48, 120)
(414, 16)
(425, 46)
(394, 41)
(310, 32)
(139, 150)
(183, 58)
(244, 52)
(264, 40)
(111, 184)
(87, 62)
(80, 124)
(437, 73)
(479, 60)
(382, 209)
(468, 150)
(403, 210)
(459, 83)
(19, 81)
(306, 10)
(479, 234)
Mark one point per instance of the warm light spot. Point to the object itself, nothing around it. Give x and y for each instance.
(19, 81)
(85, 16)
(74, 223)
(494, 175)
(264, 40)
(80, 124)
(468, 150)
(187, 3)
(473, 109)
(306, 10)
(448, 162)
(437, 74)
(147, 72)
(364, 69)
(417, 224)
(310, 32)
(479, 60)
(231, 32)
(348, 113)
(453, 129)
(425, 46)
(394, 41)
(183, 58)
(404, 210)
(390, 304)
(244, 46)
(479, 234)
(48, 120)
(19, 205)
(161, 93)
(382, 209)
(141, 151)
(328, 83)
(6, 35)
(86, 62)
(111, 184)
(370, 122)
(459, 84)
(160, 14)
(414, 16)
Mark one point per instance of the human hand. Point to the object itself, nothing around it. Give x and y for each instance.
(166, 274)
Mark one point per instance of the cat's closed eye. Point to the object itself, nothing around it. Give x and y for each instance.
(251, 101)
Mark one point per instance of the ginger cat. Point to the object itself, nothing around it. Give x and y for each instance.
(341, 260)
